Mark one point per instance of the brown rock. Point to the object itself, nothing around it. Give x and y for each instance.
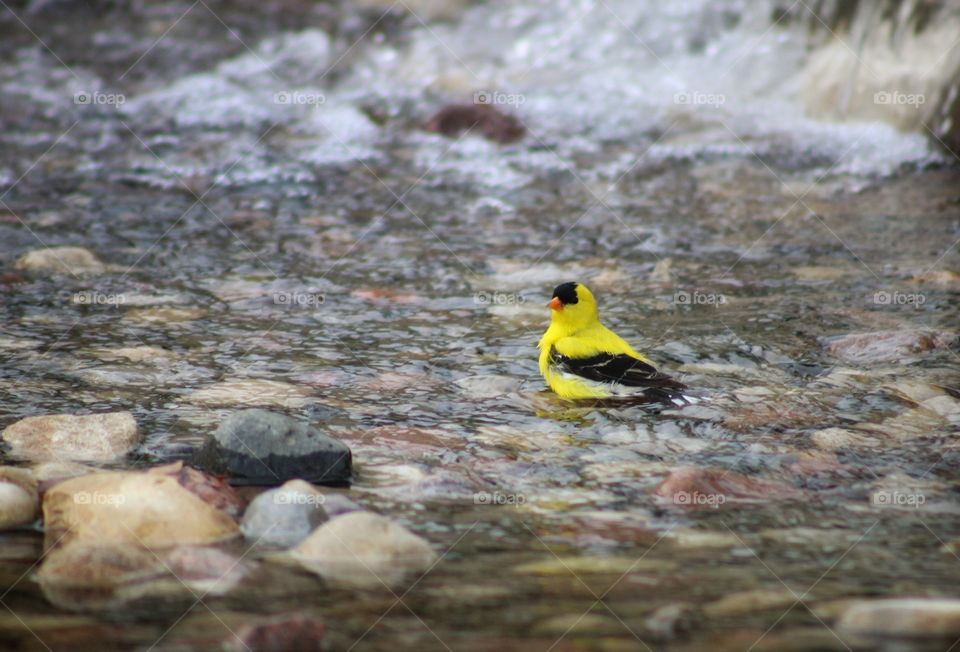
(483, 119)
(287, 633)
(90, 438)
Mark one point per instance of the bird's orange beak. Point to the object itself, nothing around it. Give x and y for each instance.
(555, 304)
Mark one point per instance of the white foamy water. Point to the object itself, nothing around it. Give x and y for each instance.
(602, 88)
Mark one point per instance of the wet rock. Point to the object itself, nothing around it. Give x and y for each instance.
(251, 392)
(163, 314)
(212, 490)
(748, 602)
(833, 439)
(91, 576)
(572, 624)
(286, 633)
(205, 569)
(150, 509)
(887, 346)
(263, 447)
(153, 355)
(76, 261)
(944, 405)
(19, 501)
(710, 488)
(903, 617)
(284, 516)
(481, 119)
(914, 390)
(910, 424)
(775, 414)
(90, 438)
(585, 564)
(50, 473)
(488, 386)
(364, 549)
(672, 620)
(688, 538)
(940, 277)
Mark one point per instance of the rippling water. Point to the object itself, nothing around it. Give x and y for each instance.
(272, 210)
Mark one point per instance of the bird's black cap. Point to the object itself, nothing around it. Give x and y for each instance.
(567, 293)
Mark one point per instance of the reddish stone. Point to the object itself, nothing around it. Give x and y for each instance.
(213, 490)
(699, 488)
(296, 633)
(484, 119)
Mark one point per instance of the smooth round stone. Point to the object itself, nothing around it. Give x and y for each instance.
(19, 501)
(903, 617)
(75, 261)
(262, 447)
(89, 438)
(364, 549)
(284, 516)
(148, 508)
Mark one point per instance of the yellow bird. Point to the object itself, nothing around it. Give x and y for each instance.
(580, 358)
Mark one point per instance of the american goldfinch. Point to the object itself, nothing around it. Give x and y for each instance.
(580, 358)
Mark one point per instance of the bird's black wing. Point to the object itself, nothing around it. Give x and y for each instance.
(617, 368)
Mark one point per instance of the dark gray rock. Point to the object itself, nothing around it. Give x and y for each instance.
(262, 447)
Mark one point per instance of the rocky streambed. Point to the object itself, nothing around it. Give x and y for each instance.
(268, 370)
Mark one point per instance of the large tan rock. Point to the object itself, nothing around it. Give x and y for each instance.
(89, 438)
(151, 509)
(364, 549)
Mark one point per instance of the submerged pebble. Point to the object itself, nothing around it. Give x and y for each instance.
(903, 617)
(694, 487)
(251, 392)
(887, 346)
(364, 549)
(285, 633)
(75, 261)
